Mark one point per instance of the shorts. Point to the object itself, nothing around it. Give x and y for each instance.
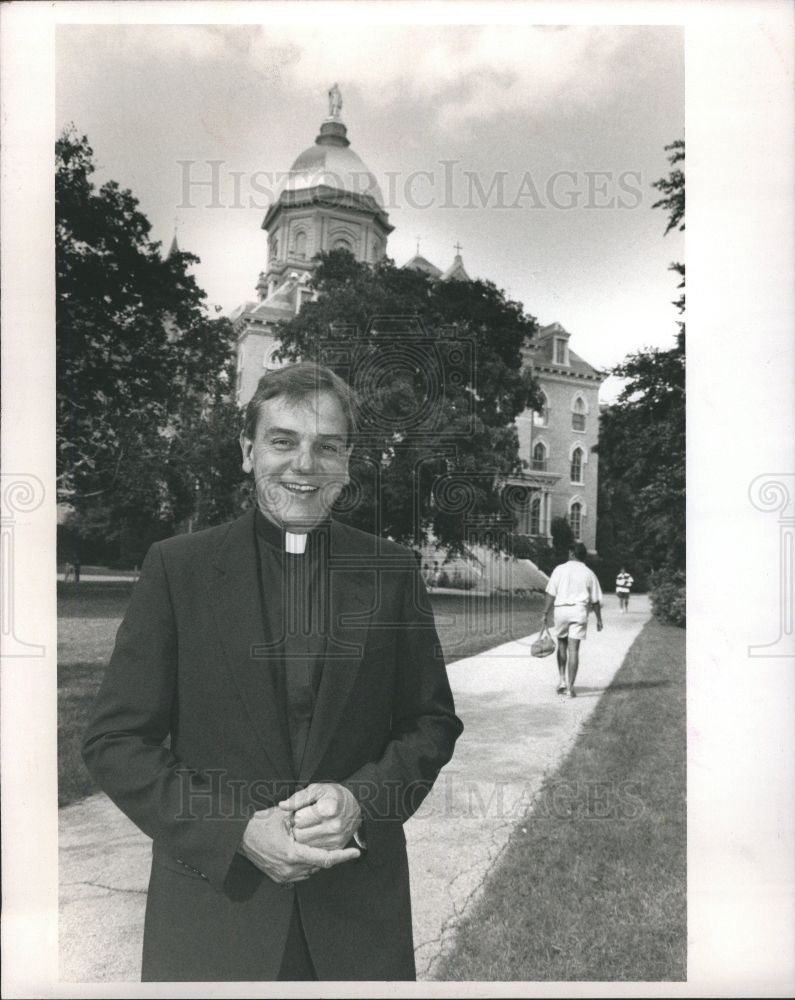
(571, 621)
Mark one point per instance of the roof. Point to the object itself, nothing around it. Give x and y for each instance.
(543, 355)
(418, 263)
(456, 271)
(331, 163)
(580, 366)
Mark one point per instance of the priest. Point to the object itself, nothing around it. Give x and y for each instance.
(275, 708)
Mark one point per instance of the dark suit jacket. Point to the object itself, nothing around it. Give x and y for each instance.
(188, 738)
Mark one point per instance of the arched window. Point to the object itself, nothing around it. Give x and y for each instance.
(575, 519)
(576, 466)
(542, 419)
(300, 244)
(578, 414)
(539, 462)
(274, 248)
(342, 244)
(535, 516)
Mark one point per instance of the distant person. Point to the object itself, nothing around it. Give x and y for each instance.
(72, 571)
(572, 590)
(623, 586)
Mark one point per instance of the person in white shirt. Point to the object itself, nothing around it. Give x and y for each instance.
(572, 590)
(623, 586)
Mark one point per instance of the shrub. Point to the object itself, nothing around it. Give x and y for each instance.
(537, 550)
(668, 596)
(562, 538)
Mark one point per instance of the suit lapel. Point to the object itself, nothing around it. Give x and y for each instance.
(235, 600)
(352, 604)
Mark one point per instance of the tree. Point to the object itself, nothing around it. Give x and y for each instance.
(438, 368)
(642, 439)
(143, 370)
(673, 187)
(562, 538)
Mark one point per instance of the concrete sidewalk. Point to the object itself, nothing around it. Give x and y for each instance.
(516, 731)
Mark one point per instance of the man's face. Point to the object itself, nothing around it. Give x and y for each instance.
(299, 457)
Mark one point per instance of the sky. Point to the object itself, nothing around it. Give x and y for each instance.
(534, 148)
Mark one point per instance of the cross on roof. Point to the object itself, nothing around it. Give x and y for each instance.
(458, 248)
(418, 245)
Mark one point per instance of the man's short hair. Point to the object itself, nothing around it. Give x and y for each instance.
(296, 382)
(579, 550)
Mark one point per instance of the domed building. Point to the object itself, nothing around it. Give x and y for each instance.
(330, 200)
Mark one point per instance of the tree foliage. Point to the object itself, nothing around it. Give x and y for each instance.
(438, 369)
(142, 368)
(642, 438)
(562, 538)
(673, 187)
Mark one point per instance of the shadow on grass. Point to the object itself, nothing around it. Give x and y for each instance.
(592, 692)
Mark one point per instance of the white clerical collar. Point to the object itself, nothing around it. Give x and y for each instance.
(294, 544)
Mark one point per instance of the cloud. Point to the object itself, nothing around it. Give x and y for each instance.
(201, 42)
(465, 73)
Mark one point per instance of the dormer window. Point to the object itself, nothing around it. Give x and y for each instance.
(561, 351)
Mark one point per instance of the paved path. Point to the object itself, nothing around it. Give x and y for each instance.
(516, 731)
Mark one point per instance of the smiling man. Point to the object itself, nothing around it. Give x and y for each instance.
(275, 708)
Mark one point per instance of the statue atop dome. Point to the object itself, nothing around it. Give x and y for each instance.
(334, 102)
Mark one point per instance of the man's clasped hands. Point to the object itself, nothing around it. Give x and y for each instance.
(308, 831)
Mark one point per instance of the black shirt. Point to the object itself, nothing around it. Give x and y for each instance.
(295, 610)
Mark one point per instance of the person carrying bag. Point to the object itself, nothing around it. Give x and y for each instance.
(544, 645)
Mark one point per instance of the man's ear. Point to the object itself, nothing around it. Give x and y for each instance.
(246, 446)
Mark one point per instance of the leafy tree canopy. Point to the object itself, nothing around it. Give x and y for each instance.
(143, 370)
(673, 187)
(438, 369)
(642, 436)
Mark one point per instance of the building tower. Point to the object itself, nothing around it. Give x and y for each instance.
(328, 201)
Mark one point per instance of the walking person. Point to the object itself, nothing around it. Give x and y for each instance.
(572, 591)
(623, 586)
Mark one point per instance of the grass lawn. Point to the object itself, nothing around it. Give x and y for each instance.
(468, 624)
(592, 885)
(89, 614)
